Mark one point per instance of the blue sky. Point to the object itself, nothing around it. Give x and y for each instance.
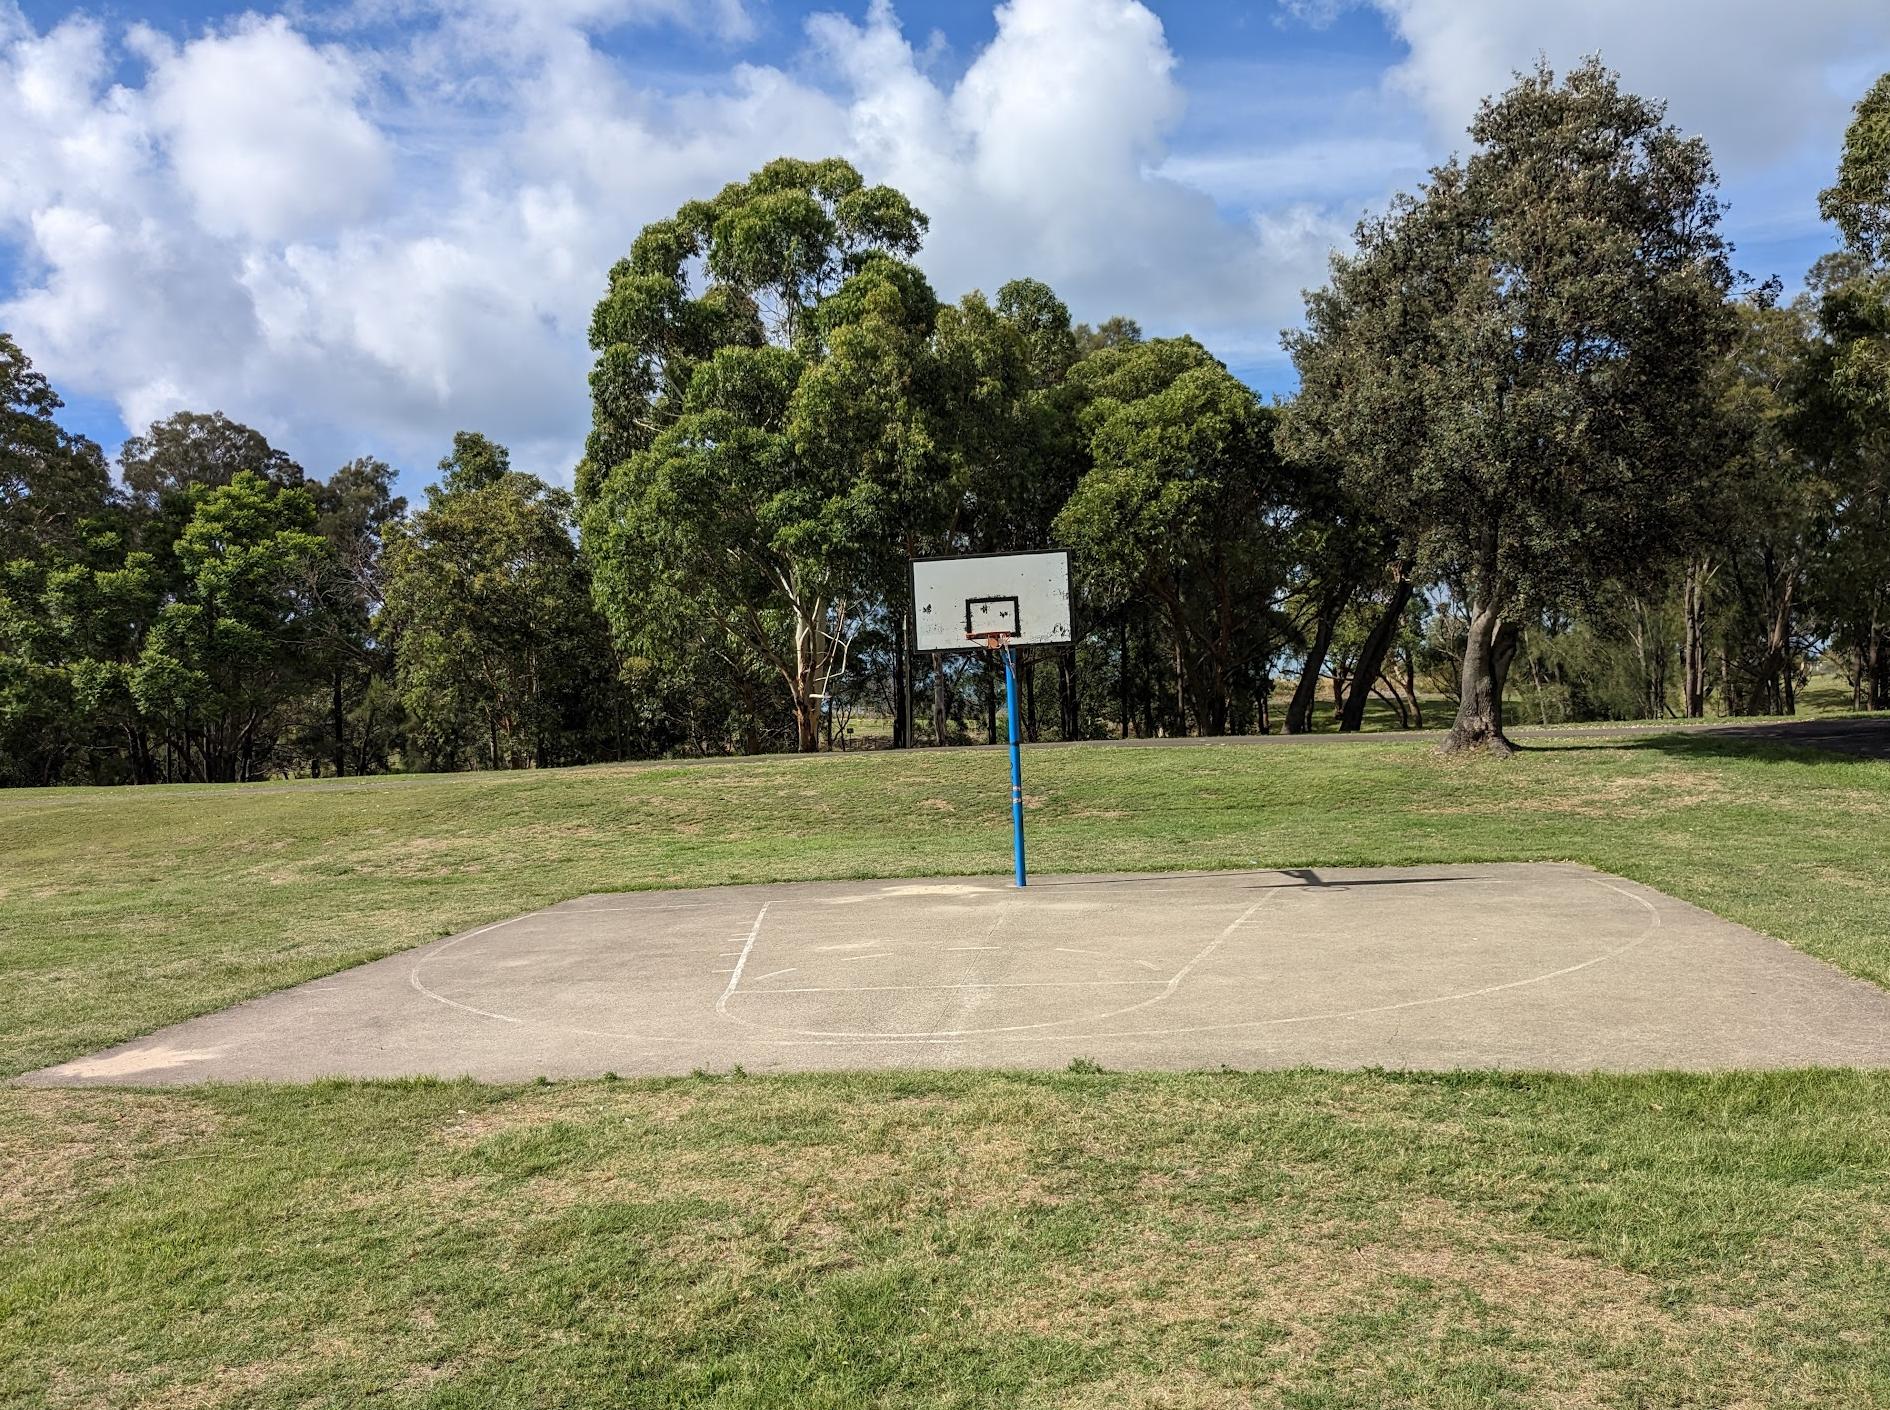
(361, 225)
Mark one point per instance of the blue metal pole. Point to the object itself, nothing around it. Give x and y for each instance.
(1017, 763)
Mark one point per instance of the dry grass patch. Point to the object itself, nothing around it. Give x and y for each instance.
(57, 1148)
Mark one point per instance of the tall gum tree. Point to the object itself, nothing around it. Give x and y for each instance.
(1188, 506)
(721, 510)
(498, 648)
(1847, 413)
(1516, 362)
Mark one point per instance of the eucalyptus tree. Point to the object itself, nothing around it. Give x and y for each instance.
(1758, 517)
(1189, 505)
(1515, 364)
(870, 415)
(729, 507)
(496, 640)
(1010, 437)
(51, 481)
(1858, 202)
(230, 642)
(355, 509)
(75, 601)
(1848, 410)
(199, 448)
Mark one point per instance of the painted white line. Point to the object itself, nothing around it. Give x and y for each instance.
(413, 975)
(866, 957)
(1031, 1032)
(1066, 950)
(1652, 926)
(819, 1035)
(960, 949)
(606, 910)
(735, 975)
(1146, 964)
(776, 974)
(1013, 984)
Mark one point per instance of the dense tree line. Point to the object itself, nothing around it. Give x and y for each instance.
(1549, 452)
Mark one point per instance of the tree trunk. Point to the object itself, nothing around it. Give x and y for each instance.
(1030, 703)
(340, 720)
(1066, 692)
(938, 698)
(1776, 661)
(1693, 610)
(1503, 646)
(1299, 709)
(1180, 692)
(1479, 723)
(1394, 699)
(1371, 656)
(807, 725)
(1875, 679)
(991, 700)
(902, 689)
(1123, 679)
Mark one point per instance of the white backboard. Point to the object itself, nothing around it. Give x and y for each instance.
(1024, 593)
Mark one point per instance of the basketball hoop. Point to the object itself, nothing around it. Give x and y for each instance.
(997, 602)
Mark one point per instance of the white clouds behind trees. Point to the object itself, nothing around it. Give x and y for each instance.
(368, 228)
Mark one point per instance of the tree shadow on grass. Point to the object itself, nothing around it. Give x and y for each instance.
(1783, 744)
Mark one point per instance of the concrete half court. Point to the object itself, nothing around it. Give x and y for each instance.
(1528, 966)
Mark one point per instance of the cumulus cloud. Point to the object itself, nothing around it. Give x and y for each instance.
(365, 225)
(264, 130)
(1045, 159)
(1758, 79)
(365, 244)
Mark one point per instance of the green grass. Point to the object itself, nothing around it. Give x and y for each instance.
(124, 910)
(1297, 1239)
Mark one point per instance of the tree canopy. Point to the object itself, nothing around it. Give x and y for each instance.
(1548, 456)
(1516, 363)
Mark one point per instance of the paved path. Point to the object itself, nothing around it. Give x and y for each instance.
(1509, 966)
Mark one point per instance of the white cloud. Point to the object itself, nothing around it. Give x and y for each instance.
(359, 247)
(264, 130)
(1329, 168)
(1045, 159)
(1758, 79)
(361, 228)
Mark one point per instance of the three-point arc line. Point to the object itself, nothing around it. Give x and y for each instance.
(1025, 1032)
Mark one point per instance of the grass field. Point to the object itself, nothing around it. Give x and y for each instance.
(1300, 1239)
(1822, 696)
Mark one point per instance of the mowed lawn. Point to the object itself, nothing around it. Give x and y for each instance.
(123, 910)
(1089, 1238)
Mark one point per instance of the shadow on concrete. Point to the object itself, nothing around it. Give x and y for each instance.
(1305, 876)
